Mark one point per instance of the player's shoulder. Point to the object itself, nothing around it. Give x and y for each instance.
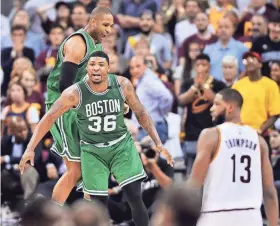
(76, 41)
(123, 81)
(262, 141)
(212, 132)
(209, 138)
(72, 90)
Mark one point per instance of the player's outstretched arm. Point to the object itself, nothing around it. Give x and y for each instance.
(207, 145)
(143, 116)
(68, 99)
(269, 190)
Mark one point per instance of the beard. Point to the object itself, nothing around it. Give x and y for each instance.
(256, 32)
(202, 30)
(146, 32)
(221, 118)
(96, 83)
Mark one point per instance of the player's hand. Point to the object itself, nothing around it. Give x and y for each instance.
(27, 156)
(125, 108)
(162, 150)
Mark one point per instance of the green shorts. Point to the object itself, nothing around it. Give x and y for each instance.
(66, 137)
(121, 160)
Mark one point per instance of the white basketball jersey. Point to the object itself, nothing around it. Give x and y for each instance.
(234, 178)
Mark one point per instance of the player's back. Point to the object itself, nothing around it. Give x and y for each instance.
(53, 79)
(234, 178)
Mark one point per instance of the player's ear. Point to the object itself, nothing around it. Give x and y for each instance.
(108, 68)
(230, 107)
(93, 22)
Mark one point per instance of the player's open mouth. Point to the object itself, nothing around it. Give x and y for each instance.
(96, 75)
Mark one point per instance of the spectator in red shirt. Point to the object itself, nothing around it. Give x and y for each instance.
(29, 81)
(258, 29)
(203, 37)
(20, 107)
(47, 58)
(48, 55)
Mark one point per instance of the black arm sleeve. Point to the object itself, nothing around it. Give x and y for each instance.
(68, 73)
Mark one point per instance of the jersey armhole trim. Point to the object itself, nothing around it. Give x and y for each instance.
(218, 145)
(260, 148)
(80, 99)
(60, 52)
(120, 88)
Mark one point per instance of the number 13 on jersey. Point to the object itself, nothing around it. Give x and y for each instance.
(245, 160)
(107, 124)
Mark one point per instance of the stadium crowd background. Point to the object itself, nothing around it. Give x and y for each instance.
(171, 36)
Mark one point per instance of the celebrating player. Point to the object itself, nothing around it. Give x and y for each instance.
(70, 67)
(106, 145)
(233, 167)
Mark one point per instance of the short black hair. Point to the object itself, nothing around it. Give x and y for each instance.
(149, 12)
(233, 96)
(97, 1)
(79, 4)
(203, 56)
(18, 27)
(54, 26)
(100, 54)
(196, 1)
(274, 62)
(35, 213)
(100, 11)
(185, 203)
(18, 82)
(275, 18)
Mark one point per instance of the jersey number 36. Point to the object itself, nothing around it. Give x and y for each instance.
(109, 123)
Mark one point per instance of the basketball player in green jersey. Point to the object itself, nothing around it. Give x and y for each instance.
(70, 67)
(106, 145)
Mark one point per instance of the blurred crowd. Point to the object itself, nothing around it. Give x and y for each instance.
(177, 53)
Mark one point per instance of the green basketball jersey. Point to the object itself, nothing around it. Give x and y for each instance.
(100, 116)
(53, 80)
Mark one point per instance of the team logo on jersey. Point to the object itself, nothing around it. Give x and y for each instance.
(103, 107)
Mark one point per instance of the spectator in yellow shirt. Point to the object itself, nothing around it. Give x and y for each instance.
(261, 95)
(217, 11)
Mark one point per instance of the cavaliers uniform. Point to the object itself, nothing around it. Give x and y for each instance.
(232, 193)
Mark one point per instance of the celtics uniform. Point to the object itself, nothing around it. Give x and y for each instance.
(64, 131)
(106, 145)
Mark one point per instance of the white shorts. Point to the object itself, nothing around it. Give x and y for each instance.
(231, 218)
